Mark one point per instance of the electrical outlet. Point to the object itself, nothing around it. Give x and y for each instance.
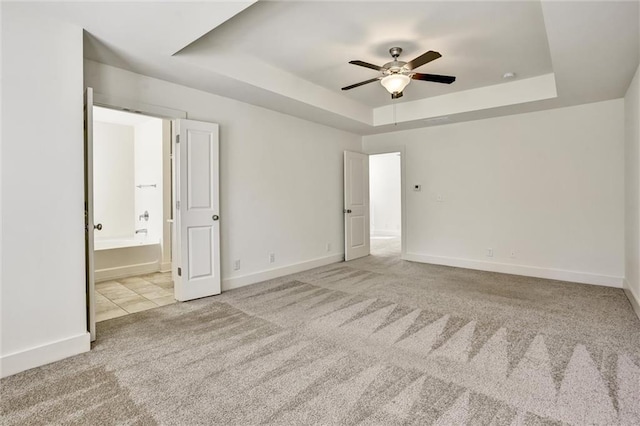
(489, 252)
(439, 198)
(272, 258)
(328, 246)
(236, 265)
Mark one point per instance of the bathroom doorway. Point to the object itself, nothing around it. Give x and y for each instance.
(132, 198)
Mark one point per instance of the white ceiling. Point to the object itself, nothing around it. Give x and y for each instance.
(292, 56)
(479, 41)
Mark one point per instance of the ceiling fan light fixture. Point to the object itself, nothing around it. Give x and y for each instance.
(395, 83)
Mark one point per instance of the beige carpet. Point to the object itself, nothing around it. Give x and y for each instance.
(372, 341)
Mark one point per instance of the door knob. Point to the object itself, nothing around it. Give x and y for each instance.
(347, 210)
(215, 217)
(98, 227)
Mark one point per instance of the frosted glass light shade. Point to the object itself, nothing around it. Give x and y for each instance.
(395, 83)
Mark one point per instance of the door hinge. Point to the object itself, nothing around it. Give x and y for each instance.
(177, 138)
(179, 272)
(177, 205)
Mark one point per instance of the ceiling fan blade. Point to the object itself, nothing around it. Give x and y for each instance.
(446, 79)
(423, 59)
(367, 65)
(361, 83)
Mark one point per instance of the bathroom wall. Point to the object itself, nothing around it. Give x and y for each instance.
(148, 171)
(113, 179)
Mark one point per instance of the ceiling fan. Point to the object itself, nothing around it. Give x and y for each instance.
(397, 74)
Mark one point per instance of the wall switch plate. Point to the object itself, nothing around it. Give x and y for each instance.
(417, 187)
(272, 258)
(489, 252)
(236, 265)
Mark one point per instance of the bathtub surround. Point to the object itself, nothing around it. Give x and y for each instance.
(126, 261)
(167, 214)
(149, 183)
(375, 341)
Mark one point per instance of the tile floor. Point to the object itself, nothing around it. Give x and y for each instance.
(134, 294)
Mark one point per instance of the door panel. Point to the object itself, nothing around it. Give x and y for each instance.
(198, 163)
(200, 244)
(356, 200)
(357, 232)
(197, 210)
(88, 213)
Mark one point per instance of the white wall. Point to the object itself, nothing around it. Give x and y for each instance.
(148, 171)
(384, 194)
(113, 180)
(546, 185)
(43, 297)
(632, 190)
(280, 176)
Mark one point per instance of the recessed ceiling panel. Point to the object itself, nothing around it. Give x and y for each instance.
(479, 42)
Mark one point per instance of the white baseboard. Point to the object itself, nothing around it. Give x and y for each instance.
(165, 267)
(126, 271)
(528, 271)
(237, 282)
(24, 360)
(633, 298)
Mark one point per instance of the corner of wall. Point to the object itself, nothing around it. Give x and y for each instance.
(633, 298)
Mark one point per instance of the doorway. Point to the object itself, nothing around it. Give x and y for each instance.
(385, 206)
(132, 212)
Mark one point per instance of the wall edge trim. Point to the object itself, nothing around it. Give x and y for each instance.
(524, 270)
(23, 360)
(237, 282)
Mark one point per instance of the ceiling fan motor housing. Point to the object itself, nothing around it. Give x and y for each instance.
(395, 51)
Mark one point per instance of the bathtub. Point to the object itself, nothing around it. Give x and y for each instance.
(116, 243)
(124, 257)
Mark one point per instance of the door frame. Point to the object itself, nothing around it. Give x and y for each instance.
(403, 189)
(127, 105)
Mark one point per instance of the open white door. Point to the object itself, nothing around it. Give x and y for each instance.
(356, 205)
(88, 212)
(197, 225)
